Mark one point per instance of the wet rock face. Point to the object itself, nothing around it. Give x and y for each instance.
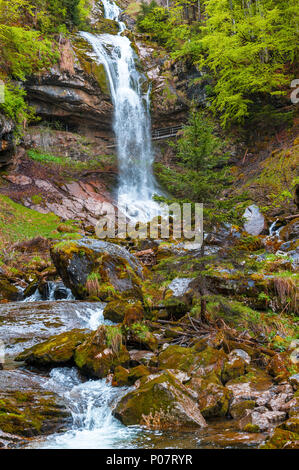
(6, 140)
(68, 92)
(26, 409)
(93, 268)
(25, 324)
(161, 402)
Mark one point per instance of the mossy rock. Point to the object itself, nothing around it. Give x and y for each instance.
(238, 410)
(120, 377)
(282, 439)
(138, 336)
(177, 357)
(124, 311)
(279, 367)
(32, 413)
(213, 397)
(257, 379)
(94, 268)
(137, 373)
(8, 291)
(56, 351)
(83, 52)
(161, 402)
(115, 311)
(290, 231)
(292, 424)
(102, 352)
(254, 428)
(233, 368)
(30, 289)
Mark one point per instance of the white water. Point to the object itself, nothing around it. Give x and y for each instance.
(91, 403)
(132, 126)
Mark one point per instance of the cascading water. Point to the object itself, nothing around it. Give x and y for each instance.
(132, 126)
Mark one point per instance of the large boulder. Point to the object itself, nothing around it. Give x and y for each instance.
(213, 397)
(26, 409)
(101, 352)
(8, 291)
(178, 298)
(199, 363)
(94, 268)
(120, 311)
(56, 351)
(255, 221)
(161, 402)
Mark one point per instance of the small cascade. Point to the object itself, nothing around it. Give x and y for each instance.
(91, 404)
(52, 291)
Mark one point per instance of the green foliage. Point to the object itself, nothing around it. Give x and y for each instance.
(15, 106)
(202, 173)
(198, 145)
(247, 47)
(23, 51)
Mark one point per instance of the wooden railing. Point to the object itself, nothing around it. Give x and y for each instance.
(159, 134)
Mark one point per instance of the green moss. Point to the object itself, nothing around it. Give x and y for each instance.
(280, 439)
(57, 350)
(83, 51)
(28, 414)
(251, 428)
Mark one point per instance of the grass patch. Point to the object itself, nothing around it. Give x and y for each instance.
(97, 162)
(19, 223)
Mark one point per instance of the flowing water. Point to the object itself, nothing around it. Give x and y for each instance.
(132, 125)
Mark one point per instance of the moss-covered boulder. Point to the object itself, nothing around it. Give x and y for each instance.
(282, 439)
(102, 352)
(120, 376)
(56, 351)
(238, 409)
(161, 402)
(292, 424)
(138, 336)
(193, 360)
(137, 373)
(26, 409)
(213, 397)
(8, 291)
(97, 269)
(177, 357)
(124, 311)
(234, 367)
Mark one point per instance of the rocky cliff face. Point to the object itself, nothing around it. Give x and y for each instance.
(74, 91)
(6, 140)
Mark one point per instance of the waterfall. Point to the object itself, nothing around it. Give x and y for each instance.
(132, 124)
